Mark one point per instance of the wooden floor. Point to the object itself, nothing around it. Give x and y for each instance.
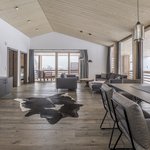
(33, 133)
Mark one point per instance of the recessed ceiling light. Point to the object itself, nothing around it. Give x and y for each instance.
(16, 7)
(29, 21)
(81, 31)
(89, 33)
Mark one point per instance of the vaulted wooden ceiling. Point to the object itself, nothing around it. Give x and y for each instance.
(101, 21)
(29, 18)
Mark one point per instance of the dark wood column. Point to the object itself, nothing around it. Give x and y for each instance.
(138, 60)
(109, 60)
(117, 57)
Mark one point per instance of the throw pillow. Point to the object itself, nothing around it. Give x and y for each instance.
(63, 75)
(112, 76)
(118, 77)
(103, 76)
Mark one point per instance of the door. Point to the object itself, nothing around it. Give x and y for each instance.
(13, 66)
(23, 69)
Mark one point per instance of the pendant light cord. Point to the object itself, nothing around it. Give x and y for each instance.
(138, 11)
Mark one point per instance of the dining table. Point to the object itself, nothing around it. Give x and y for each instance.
(139, 91)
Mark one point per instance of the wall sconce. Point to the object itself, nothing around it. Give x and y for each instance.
(90, 61)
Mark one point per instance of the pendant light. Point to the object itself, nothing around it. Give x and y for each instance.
(138, 33)
(81, 58)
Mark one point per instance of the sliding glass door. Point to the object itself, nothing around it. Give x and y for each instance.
(112, 60)
(74, 63)
(126, 58)
(48, 62)
(146, 57)
(62, 63)
(57, 63)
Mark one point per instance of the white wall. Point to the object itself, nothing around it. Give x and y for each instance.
(53, 40)
(11, 37)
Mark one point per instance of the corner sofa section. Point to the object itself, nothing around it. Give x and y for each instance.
(105, 78)
(109, 76)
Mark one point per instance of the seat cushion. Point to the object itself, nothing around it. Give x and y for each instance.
(103, 76)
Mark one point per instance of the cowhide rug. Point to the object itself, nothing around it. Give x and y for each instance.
(53, 108)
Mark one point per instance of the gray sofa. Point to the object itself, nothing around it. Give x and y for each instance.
(66, 83)
(106, 78)
(138, 81)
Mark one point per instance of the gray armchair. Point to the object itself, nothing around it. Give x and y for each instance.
(66, 83)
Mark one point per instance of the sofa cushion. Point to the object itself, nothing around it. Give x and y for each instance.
(103, 76)
(70, 75)
(112, 76)
(108, 75)
(122, 76)
(137, 122)
(118, 76)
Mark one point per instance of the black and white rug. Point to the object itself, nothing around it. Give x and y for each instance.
(53, 108)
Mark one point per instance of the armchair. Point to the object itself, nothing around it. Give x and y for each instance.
(66, 83)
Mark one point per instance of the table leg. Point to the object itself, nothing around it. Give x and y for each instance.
(87, 84)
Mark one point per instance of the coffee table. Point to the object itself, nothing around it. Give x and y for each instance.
(96, 85)
(86, 80)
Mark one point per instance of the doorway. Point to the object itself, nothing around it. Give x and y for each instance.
(13, 65)
(23, 68)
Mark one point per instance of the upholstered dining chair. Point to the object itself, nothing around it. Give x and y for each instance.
(131, 122)
(145, 106)
(106, 94)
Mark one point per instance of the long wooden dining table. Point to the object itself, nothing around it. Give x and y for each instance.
(140, 91)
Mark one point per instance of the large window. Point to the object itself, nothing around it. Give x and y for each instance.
(146, 58)
(74, 63)
(112, 59)
(57, 62)
(36, 62)
(62, 63)
(126, 58)
(48, 62)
